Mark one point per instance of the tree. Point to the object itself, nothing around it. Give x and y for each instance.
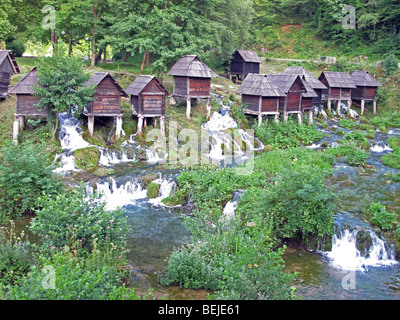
(5, 24)
(61, 80)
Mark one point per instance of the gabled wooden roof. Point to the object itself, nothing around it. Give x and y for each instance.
(27, 83)
(259, 85)
(285, 81)
(191, 66)
(98, 77)
(312, 81)
(310, 92)
(338, 79)
(137, 86)
(249, 56)
(364, 79)
(7, 54)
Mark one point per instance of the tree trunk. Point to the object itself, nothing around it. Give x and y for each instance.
(94, 36)
(127, 56)
(53, 134)
(105, 54)
(144, 59)
(69, 45)
(147, 60)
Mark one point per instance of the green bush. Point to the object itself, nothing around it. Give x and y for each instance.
(152, 190)
(354, 155)
(390, 64)
(77, 220)
(92, 278)
(17, 47)
(24, 176)
(380, 217)
(87, 158)
(392, 159)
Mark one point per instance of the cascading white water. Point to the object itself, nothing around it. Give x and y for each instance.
(381, 147)
(166, 187)
(345, 255)
(70, 135)
(118, 196)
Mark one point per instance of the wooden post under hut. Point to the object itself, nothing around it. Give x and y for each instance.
(148, 96)
(106, 102)
(192, 79)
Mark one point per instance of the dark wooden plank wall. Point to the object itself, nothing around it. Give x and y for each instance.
(237, 63)
(153, 104)
(181, 86)
(364, 93)
(106, 104)
(135, 104)
(26, 105)
(5, 79)
(253, 102)
(6, 67)
(269, 104)
(293, 101)
(317, 100)
(306, 104)
(370, 93)
(199, 87)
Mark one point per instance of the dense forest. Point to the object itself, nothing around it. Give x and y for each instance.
(163, 30)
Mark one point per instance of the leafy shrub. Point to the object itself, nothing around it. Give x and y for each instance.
(17, 47)
(87, 158)
(24, 177)
(152, 190)
(392, 159)
(390, 64)
(354, 155)
(92, 278)
(358, 138)
(380, 217)
(77, 220)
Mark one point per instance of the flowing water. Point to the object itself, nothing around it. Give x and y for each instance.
(354, 268)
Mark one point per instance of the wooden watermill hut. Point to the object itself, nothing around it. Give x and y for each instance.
(312, 82)
(339, 87)
(192, 79)
(293, 87)
(147, 100)
(244, 62)
(106, 101)
(366, 88)
(261, 96)
(24, 89)
(8, 67)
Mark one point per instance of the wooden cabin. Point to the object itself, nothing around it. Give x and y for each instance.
(312, 82)
(24, 89)
(8, 67)
(293, 87)
(261, 96)
(244, 62)
(106, 100)
(339, 86)
(192, 79)
(147, 99)
(307, 101)
(366, 88)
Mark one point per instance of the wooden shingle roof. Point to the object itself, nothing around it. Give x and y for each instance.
(249, 56)
(338, 79)
(310, 92)
(259, 85)
(137, 86)
(191, 66)
(364, 79)
(27, 84)
(98, 77)
(285, 81)
(312, 81)
(7, 54)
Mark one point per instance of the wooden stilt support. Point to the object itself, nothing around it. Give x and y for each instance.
(140, 126)
(277, 118)
(188, 107)
(329, 105)
(374, 106)
(208, 108)
(266, 119)
(16, 130)
(300, 118)
(285, 117)
(91, 125)
(162, 125)
(259, 119)
(21, 122)
(349, 102)
(118, 127)
(310, 117)
(339, 102)
(145, 123)
(362, 107)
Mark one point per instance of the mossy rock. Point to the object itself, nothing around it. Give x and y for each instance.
(148, 178)
(87, 158)
(152, 190)
(103, 172)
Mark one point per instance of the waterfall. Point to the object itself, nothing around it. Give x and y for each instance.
(351, 252)
(70, 135)
(166, 187)
(118, 195)
(231, 206)
(380, 147)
